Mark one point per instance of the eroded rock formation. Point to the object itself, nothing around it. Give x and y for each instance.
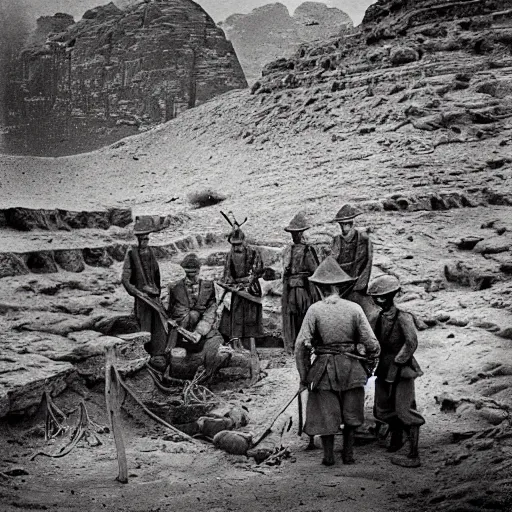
(138, 66)
(269, 32)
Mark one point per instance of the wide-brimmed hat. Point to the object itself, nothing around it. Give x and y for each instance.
(145, 224)
(191, 261)
(384, 285)
(298, 223)
(329, 272)
(347, 212)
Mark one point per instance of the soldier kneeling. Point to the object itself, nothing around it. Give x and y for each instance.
(193, 307)
(395, 402)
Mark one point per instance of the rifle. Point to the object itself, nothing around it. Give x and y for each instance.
(241, 293)
(166, 321)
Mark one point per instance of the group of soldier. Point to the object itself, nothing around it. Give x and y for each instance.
(341, 327)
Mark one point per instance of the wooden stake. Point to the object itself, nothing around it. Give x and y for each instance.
(255, 362)
(112, 388)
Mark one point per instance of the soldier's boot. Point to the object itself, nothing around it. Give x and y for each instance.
(328, 446)
(397, 436)
(347, 454)
(311, 445)
(412, 459)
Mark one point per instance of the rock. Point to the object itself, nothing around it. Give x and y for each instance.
(403, 55)
(16, 471)
(56, 323)
(505, 333)
(442, 316)
(269, 32)
(447, 402)
(41, 262)
(457, 321)
(494, 245)
(152, 78)
(493, 416)
(235, 443)
(475, 277)
(97, 257)
(468, 243)
(12, 265)
(25, 377)
(71, 260)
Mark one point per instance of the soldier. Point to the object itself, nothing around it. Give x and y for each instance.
(242, 268)
(332, 329)
(353, 251)
(141, 279)
(193, 307)
(395, 402)
(299, 262)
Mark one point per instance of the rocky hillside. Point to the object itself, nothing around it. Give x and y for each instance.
(269, 32)
(410, 118)
(138, 66)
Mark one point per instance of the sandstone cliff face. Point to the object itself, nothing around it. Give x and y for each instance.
(269, 32)
(137, 66)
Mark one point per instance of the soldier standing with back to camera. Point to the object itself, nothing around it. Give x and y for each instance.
(332, 330)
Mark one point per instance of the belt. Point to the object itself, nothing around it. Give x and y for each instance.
(323, 350)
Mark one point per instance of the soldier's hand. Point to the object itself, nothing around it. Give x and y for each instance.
(197, 337)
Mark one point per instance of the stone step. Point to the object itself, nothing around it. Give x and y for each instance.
(29, 219)
(44, 253)
(32, 363)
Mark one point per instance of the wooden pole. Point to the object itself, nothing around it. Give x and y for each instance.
(112, 388)
(255, 362)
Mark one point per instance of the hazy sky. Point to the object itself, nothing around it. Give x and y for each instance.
(221, 9)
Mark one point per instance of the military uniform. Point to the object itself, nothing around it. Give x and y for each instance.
(331, 330)
(354, 254)
(192, 306)
(395, 401)
(299, 263)
(241, 271)
(141, 275)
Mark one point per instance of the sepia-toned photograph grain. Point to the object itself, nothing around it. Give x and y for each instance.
(256, 255)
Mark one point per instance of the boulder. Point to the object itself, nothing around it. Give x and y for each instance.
(24, 379)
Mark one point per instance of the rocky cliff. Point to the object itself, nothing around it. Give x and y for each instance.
(137, 66)
(269, 32)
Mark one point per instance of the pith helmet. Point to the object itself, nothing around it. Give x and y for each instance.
(191, 261)
(329, 272)
(146, 224)
(383, 285)
(298, 223)
(236, 237)
(347, 212)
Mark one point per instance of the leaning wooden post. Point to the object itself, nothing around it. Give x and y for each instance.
(112, 392)
(255, 362)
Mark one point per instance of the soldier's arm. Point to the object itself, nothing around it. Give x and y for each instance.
(364, 275)
(207, 321)
(227, 277)
(158, 281)
(367, 337)
(172, 301)
(303, 345)
(406, 323)
(335, 247)
(312, 261)
(127, 275)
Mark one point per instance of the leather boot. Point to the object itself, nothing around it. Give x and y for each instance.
(311, 445)
(397, 436)
(328, 445)
(348, 445)
(412, 459)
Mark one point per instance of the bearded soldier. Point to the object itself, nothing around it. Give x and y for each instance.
(299, 262)
(141, 279)
(395, 402)
(333, 328)
(353, 251)
(192, 305)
